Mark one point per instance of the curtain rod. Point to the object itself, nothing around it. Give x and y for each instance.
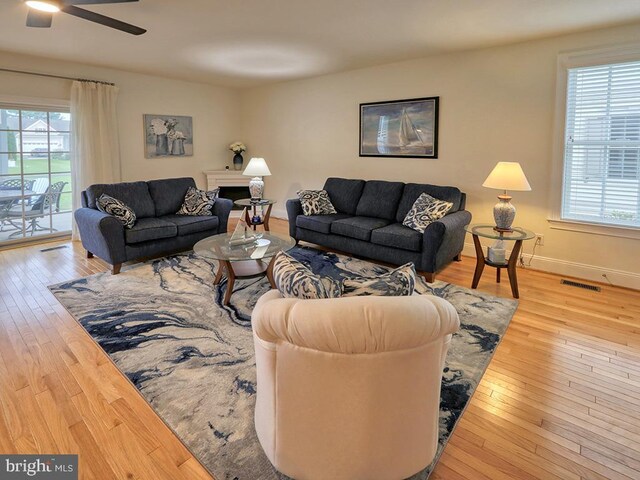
(54, 76)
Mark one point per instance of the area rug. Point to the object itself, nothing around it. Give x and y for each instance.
(164, 326)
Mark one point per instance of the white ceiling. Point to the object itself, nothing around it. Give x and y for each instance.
(248, 42)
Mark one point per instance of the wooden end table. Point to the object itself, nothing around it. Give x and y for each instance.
(517, 235)
(240, 261)
(254, 204)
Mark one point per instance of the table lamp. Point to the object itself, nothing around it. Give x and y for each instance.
(257, 168)
(506, 176)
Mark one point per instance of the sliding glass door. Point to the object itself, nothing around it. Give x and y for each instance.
(35, 173)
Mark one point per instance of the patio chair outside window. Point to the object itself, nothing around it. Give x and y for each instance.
(20, 186)
(39, 209)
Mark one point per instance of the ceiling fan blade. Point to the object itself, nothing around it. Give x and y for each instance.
(39, 19)
(95, 2)
(103, 20)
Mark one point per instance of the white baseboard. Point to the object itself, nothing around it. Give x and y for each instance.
(620, 278)
(280, 213)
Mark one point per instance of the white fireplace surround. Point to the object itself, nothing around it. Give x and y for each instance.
(226, 178)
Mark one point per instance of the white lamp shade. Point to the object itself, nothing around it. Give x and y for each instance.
(257, 167)
(507, 176)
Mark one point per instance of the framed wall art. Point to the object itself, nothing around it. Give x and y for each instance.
(400, 128)
(168, 136)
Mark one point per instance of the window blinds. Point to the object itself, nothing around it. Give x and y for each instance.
(601, 181)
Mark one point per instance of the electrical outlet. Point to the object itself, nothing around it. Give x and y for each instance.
(539, 239)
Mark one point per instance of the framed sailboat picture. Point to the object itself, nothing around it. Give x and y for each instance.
(400, 128)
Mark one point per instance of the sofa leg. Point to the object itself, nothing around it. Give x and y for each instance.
(430, 277)
(458, 257)
(89, 254)
(115, 270)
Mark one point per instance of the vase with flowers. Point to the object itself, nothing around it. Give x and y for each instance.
(237, 148)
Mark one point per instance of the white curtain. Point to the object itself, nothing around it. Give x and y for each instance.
(94, 132)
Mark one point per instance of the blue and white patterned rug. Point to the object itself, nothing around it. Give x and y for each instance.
(164, 326)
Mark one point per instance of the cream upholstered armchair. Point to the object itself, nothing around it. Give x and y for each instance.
(349, 388)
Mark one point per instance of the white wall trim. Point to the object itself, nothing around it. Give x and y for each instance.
(595, 228)
(620, 278)
(280, 213)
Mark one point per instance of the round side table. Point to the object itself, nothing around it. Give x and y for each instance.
(517, 235)
(247, 202)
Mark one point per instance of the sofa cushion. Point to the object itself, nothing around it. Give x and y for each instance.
(380, 199)
(413, 190)
(358, 227)
(319, 223)
(134, 194)
(400, 282)
(344, 193)
(147, 229)
(397, 235)
(188, 224)
(168, 194)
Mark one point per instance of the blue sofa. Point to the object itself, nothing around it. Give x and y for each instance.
(158, 230)
(369, 223)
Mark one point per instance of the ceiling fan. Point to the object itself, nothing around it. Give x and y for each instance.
(41, 13)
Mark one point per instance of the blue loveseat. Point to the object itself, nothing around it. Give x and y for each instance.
(369, 223)
(157, 231)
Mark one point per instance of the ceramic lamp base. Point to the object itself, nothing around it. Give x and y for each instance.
(504, 213)
(256, 188)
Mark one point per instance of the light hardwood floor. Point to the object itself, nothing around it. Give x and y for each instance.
(560, 400)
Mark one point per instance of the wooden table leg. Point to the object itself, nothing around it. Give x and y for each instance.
(479, 262)
(498, 274)
(266, 218)
(511, 268)
(270, 273)
(218, 278)
(231, 280)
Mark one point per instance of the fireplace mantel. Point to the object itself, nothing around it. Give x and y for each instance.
(225, 178)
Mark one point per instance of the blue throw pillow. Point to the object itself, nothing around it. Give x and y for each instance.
(294, 280)
(118, 209)
(198, 202)
(424, 211)
(315, 202)
(396, 283)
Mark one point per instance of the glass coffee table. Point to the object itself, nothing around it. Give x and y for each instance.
(517, 235)
(243, 261)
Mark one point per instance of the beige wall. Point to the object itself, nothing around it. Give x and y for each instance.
(214, 111)
(495, 105)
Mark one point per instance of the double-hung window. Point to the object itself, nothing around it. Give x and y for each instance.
(601, 168)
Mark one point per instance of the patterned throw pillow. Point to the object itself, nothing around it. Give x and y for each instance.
(294, 280)
(197, 202)
(118, 209)
(316, 202)
(425, 210)
(213, 194)
(396, 283)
